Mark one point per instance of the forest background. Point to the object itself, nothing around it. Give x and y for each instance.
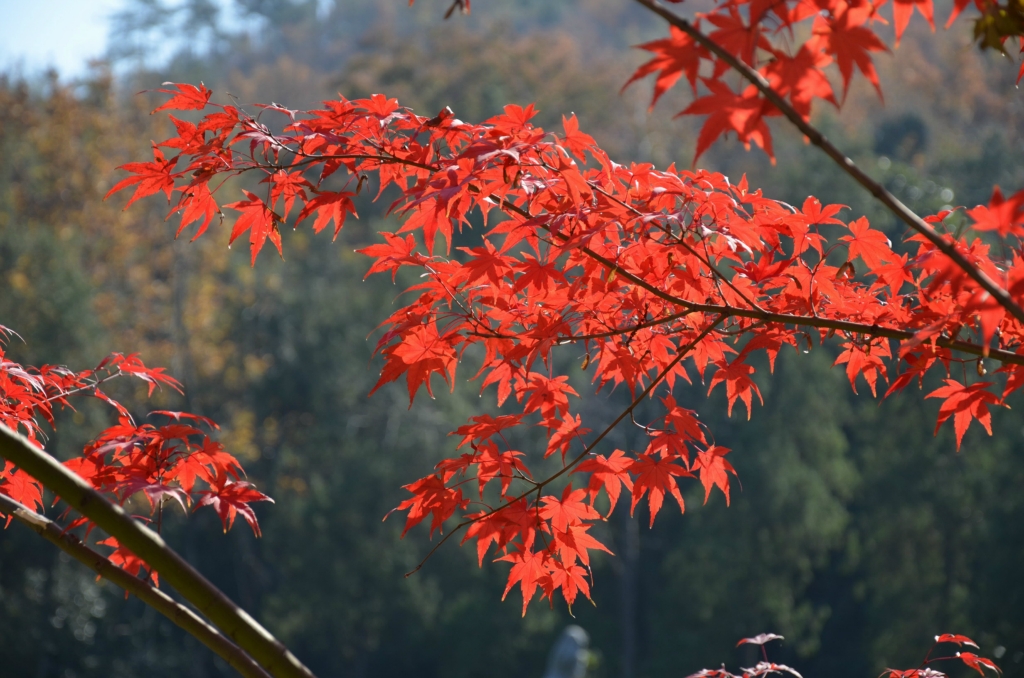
(857, 534)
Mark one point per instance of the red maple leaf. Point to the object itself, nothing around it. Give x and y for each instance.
(196, 204)
(329, 206)
(230, 498)
(128, 561)
(1005, 216)
(287, 186)
(730, 112)
(964, 404)
(570, 578)
(675, 56)
(977, 663)
(846, 38)
(714, 470)
(903, 9)
(187, 98)
(866, 361)
(261, 222)
(573, 542)
(610, 472)
(801, 78)
(872, 246)
(21, 487)
(151, 177)
(527, 569)
(738, 384)
(569, 510)
(656, 475)
(575, 141)
(955, 638)
(430, 498)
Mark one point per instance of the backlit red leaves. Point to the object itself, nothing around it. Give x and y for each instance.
(730, 112)
(643, 278)
(527, 570)
(232, 497)
(845, 37)
(186, 98)
(569, 510)
(175, 462)
(430, 498)
(1005, 216)
(902, 9)
(149, 177)
(657, 476)
(21, 487)
(196, 205)
(259, 220)
(872, 246)
(674, 57)
(965, 404)
(802, 78)
(979, 664)
(128, 561)
(955, 638)
(609, 473)
(328, 206)
(422, 353)
(765, 667)
(714, 470)
(738, 384)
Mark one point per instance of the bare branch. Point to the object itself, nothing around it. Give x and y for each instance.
(144, 591)
(235, 622)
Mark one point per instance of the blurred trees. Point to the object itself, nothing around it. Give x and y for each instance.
(834, 542)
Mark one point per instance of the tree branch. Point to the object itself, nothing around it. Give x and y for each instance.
(235, 622)
(784, 318)
(152, 596)
(901, 211)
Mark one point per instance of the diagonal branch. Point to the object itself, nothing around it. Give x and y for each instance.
(235, 622)
(144, 591)
(901, 211)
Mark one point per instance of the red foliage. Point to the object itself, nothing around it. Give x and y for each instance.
(923, 670)
(159, 463)
(624, 263)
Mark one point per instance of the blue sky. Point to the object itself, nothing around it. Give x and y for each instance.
(64, 33)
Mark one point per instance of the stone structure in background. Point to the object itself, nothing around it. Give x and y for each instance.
(570, 655)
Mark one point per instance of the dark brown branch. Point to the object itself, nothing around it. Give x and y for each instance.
(232, 620)
(154, 597)
(903, 212)
(784, 318)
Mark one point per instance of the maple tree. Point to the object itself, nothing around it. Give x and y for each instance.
(656, 276)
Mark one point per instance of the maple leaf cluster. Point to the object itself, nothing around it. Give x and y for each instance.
(654, 277)
(175, 461)
(843, 36)
(924, 670)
